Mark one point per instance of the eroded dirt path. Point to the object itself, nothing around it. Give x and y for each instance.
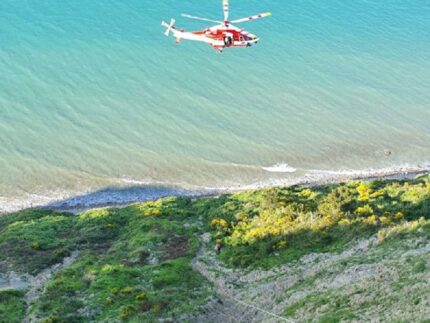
(231, 303)
(37, 283)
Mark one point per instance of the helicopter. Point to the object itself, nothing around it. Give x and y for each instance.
(221, 36)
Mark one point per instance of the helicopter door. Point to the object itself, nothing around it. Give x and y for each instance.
(228, 40)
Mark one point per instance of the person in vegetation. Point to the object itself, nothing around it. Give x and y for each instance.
(218, 247)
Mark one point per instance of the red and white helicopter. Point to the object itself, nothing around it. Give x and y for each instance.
(221, 36)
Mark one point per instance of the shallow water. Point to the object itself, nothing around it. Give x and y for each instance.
(92, 95)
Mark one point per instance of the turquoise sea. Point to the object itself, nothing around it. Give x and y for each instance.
(94, 96)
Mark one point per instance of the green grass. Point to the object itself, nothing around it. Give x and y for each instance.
(337, 308)
(44, 237)
(134, 262)
(136, 267)
(402, 291)
(12, 306)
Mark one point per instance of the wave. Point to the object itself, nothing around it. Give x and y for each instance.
(280, 168)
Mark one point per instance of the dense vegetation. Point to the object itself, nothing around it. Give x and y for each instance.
(12, 306)
(134, 262)
(278, 225)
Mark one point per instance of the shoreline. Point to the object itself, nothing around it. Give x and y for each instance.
(78, 204)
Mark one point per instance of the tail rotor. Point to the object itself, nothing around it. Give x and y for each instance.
(169, 27)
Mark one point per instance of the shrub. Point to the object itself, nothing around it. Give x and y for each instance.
(36, 245)
(364, 192)
(420, 266)
(126, 290)
(365, 210)
(140, 297)
(126, 312)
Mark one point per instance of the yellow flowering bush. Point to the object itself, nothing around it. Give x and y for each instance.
(364, 210)
(364, 192)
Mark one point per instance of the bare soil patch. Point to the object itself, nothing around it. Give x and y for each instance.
(177, 247)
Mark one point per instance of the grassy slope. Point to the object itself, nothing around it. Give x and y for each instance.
(134, 262)
(12, 306)
(388, 280)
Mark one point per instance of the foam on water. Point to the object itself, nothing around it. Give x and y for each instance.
(92, 93)
(280, 168)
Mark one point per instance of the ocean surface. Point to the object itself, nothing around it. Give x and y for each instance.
(97, 105)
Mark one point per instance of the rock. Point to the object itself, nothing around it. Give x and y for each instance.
(206, 237)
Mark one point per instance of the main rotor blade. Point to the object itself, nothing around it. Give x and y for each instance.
(199, 18)
(259, 16)
(225, 8)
